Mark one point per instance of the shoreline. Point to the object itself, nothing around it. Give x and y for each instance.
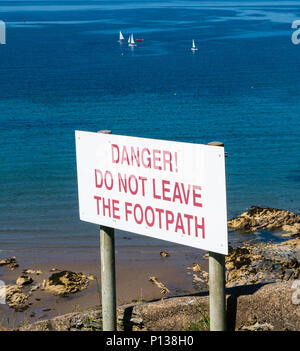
(132, 276)
(266, 307)
(182, 271)
(134, 287)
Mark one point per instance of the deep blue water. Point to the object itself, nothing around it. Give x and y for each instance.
(62, 69)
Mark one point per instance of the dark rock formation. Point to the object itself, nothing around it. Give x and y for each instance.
(258, 218)
(65, 283)
(11, 262)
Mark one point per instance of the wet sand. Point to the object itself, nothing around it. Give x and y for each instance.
(133, 270)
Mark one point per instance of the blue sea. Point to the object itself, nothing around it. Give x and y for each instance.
(62, 69)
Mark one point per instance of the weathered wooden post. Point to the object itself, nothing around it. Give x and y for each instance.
(217, 297)
(108, 275)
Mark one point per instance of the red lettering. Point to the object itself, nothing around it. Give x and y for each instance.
(98, 198)
(169, 218)
(196, 196)
(122, 183)
(179, 225)
(135, 156)
(188, 217)
(127, 211)
(138, 221)
(106, 206)
(148, 159)
(133, 189)
(154, 192)
(201, 226)
(108, 187)
(125, 156)
(98, 172)
(167, 160)
(143, 179)
(156, 159)
(176, 193)
(115, 209)
(186, 195)
(149, 208)
(160, 211)
(165, 190)
(115, 159)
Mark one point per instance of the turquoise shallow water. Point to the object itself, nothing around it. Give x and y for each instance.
(62, 69)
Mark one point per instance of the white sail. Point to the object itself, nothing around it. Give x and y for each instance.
(121, 36)
(131, 41)
(194, 48)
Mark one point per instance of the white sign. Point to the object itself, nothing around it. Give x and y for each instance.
(163, 189)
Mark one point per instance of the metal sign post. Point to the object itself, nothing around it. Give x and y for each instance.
(108, 275)
(108, 279)
(217, 299)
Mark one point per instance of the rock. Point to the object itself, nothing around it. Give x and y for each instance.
(196, 267)
(293, 229)
(200, 277)
(34, 288)
(94, 325)
(163, 289)
(257, 327)
(258, 218)
(74, 321)
(257, 264)
(263, 263)
(11, 262)
(32, 271)
(164, 254)
(65, 283)
(136, 320)
(7, 261)
(15, 298)
(24, 280)
(91, 277)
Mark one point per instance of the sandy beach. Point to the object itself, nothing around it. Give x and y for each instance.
(132, 276)
(182, 270)
(250, 268)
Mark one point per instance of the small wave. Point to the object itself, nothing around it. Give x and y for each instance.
(18, 230)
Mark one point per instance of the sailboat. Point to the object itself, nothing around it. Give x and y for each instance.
(131, 41)
(194, 48)
(121, 39)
